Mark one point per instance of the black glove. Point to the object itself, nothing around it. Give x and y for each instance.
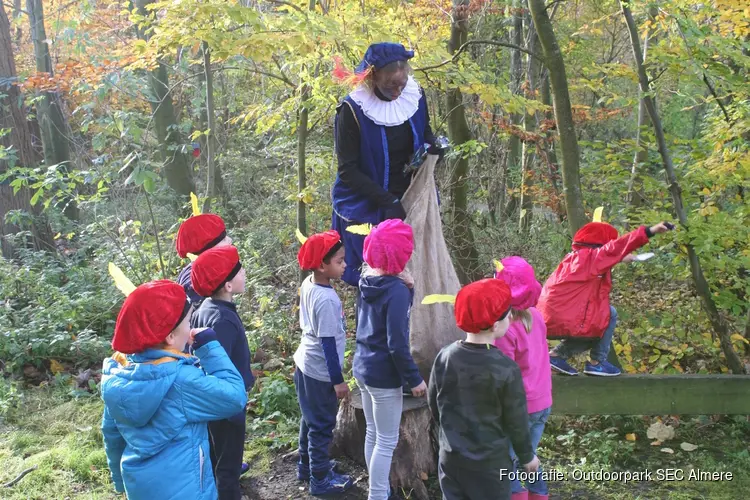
(435, 150)
(203, 338)
(394, 211)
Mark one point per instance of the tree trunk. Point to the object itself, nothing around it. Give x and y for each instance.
(548, 147)
(514, 158)
(529, 125)
(52, 121)
(458, 130)
(302, 133)
(177, 169)
(701, 286)
(635, 185)
(13, 118)
(563, 115)
(415, 455)
(211, 190)
(17, 12)
(546, 94)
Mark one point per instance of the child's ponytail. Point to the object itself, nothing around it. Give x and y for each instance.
(524, 316)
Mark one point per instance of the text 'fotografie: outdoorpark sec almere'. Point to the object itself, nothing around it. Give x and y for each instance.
(673, 474)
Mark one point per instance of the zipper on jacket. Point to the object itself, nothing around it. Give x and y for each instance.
(585, 313)
(201, 459)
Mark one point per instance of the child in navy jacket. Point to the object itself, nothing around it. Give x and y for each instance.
(382, 361)
(218, 274)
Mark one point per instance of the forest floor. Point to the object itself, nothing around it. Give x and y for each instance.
(58, 432)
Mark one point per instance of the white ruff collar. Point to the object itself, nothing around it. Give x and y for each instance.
(388, 113)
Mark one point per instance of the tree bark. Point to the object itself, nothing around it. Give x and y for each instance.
(52, 121)
(302, 133)
(458, 129)
(17, 12)
(563, 114)
(514, 158)
(701, 285)
(177, 169)
(211, 174)
(635, 185)
(529, 125)
(13, 118)
(415, 455)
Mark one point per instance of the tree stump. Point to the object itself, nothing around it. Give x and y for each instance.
(415, 456)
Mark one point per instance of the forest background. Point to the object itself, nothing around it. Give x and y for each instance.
(114, 112)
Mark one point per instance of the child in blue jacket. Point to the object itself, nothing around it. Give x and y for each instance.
(157, 400)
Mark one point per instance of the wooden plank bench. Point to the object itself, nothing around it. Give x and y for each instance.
(651, 395)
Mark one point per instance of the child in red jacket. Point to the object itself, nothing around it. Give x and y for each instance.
(575, 299)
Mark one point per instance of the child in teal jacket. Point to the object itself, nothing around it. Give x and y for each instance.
(157, 399)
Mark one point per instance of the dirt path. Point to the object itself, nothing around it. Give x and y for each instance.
(280, 482)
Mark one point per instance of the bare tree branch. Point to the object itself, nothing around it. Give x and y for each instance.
(479, 42)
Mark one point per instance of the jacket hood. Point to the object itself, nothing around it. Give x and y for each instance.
(134, 387)
(373, 288)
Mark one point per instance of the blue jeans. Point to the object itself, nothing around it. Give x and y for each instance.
(319, 406)
(536, 428)
(599, 347)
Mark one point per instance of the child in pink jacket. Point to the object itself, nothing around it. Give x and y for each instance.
(526, 344)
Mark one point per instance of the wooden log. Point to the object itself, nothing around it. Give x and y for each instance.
(651, 395)
(415, 456)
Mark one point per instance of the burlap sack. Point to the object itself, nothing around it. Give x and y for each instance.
(432, 326)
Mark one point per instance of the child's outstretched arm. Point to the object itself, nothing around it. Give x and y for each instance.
(516, 418)
(114, 445)
(615, 251)
(219, 395)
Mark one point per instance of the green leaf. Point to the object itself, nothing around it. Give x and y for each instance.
(36, 196)
(149, 184)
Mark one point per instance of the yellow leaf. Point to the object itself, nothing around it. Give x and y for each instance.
(361, 229)
(194, 202)
(438, 299)
(630, 437)
(55, 367)
(598, 214)
(192, 257)
(300, 237)
(498, 266)
(121, 281)
(739, 338)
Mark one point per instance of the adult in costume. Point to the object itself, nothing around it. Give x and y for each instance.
(378, 128)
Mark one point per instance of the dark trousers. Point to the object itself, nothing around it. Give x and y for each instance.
(460, 483)
(227, 446)
(319, 406)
